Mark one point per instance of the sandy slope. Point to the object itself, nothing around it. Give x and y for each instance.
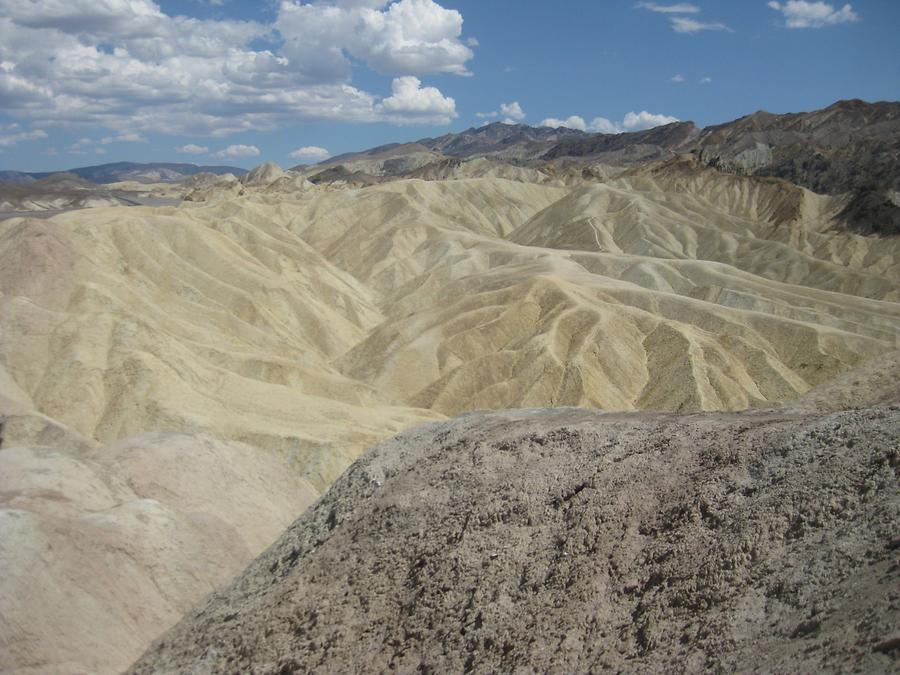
(101, 549)
(312, 321)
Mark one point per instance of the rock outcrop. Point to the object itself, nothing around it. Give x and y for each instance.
(575, 541)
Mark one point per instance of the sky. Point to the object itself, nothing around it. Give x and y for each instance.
(239, 82)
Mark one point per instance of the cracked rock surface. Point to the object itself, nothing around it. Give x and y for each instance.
(572, 540)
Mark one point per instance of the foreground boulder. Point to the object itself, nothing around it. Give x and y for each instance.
(572, 540)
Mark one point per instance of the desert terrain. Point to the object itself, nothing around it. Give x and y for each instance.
(178, 383)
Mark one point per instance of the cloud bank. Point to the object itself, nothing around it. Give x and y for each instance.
(128, 66)
(631, 122)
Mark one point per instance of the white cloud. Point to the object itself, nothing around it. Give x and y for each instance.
(677, 77)
(804, 14)
(512, 111)
(13, 139)
(632, 122)
(644, 120)
(415, 37)
(605, 126)
(683, 24)
(705, 80)
(238, 151)
(129, 67)
(473, 42)
(679, 8)
(191, 149)
(312, 152)
(123, 138)
(411, 103)
(572, 122)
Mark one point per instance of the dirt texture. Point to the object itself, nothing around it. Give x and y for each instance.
(568, 540)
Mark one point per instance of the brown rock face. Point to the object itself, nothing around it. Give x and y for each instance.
(569, 540)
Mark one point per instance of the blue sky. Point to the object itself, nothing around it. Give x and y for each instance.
(237, 82)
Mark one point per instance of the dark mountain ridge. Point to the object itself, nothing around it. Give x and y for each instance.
(114, 172)
(851, 147)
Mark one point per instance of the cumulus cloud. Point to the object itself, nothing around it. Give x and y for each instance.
(192, 149)
(632, 122)
(605, 126)
(677, 77)
(512, 111)
(311, 152)
(683, 24)
(645, 120)
(705, 80)
(572, 122)
(129, 67)
(416, 37)
(238, 151)
(805, 14)
(411, 103)
(679, 8)
(13, 139)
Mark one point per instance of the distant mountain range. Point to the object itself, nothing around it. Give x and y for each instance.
(849, 147)
(812, 149)
(156, 172)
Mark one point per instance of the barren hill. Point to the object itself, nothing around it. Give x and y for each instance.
(278, 321)
(852, 147)
(577, 541)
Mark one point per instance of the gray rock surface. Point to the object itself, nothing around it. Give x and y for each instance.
(569, 540)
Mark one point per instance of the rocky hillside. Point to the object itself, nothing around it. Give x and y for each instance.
(575, 541)
(850, 148)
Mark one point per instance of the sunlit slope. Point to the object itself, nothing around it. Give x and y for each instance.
(764, 226)
(683, 303)
(549, 330)
(119, 321)
(313, 321)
